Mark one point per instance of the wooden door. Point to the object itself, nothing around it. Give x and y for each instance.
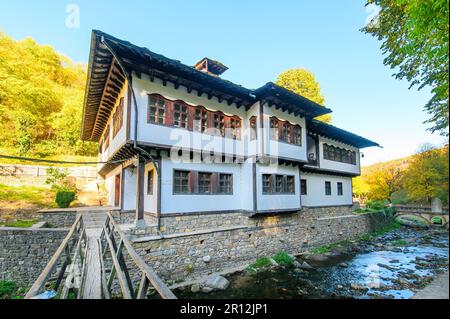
(117, 190)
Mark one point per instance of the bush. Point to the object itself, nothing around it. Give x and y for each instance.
(283, 258)
(376, 205)
(64, 198)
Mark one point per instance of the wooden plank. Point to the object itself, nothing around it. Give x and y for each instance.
(120, 275)
(51, 265)
(143, 287)
(159, 285)
(92, 283)
(140, 189)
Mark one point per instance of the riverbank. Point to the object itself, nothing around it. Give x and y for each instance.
(437, 289)
(392, 265)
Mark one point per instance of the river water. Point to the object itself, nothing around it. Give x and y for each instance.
(393, 265)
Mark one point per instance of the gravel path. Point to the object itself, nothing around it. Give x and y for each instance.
(438, 289)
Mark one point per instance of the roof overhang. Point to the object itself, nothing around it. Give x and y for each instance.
(333, 132)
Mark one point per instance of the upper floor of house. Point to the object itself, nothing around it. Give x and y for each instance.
(134, 94)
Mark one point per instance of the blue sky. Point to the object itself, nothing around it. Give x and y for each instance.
(257, 40)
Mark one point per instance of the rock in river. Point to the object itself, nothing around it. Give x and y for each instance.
(217, 282)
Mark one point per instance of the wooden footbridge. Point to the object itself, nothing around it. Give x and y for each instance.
(97, 261)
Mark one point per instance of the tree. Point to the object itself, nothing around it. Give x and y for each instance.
(385, 182)
(415, 35)
(41, 100)
(427, 176)
(304, 83)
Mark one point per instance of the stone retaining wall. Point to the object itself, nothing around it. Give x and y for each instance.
(25, 252)
(234, 240)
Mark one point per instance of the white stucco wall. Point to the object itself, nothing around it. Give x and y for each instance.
(282, 149)
(338, 166)
(277, 201)
(110, 184)
(316, 190)
(129, 184)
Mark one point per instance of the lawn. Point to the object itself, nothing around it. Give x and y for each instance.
(18, 204)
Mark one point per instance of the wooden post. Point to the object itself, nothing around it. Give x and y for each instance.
(140, 175)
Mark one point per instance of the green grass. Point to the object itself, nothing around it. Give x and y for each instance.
(260, 263)
(19, 223)
(10, 290)
(329, 247)
(283, 258)
(33, 195)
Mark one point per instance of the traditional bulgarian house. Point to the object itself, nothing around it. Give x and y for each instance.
(177, 140)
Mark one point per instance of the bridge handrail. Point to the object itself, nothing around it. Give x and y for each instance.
(42, 279)
(148, 274)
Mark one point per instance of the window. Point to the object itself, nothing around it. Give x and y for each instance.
(274, 129)
(156, 110)
(118, 118)
(150, 182)
(267, 183)
(290, 184)
(180, 115)
(225, 183)
(253, 128)
(327, 188)
(201, 120)
(279, 184)
(303, 187)
(181, 182)
(339, 189)
(337, 154)
(219, 123)
(285, 132)
(297, 135)
(235, 127)
(204, 183)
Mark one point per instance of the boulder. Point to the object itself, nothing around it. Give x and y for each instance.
(207, 259)
(195, 288)
(317, 258)
(306, 266)
(217, 282)
(343, 265)
(207, 290)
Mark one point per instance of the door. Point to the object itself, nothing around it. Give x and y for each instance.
(117, 184)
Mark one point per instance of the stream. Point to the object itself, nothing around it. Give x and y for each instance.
(393, 265)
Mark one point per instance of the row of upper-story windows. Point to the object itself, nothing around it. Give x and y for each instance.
(195, 118)
(338, 154)
(285, 131)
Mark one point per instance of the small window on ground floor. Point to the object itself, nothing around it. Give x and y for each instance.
(204, 183)
(339, 189)
(303, 187)
(327, 188)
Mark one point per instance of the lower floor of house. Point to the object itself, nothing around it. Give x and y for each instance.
(189, 186)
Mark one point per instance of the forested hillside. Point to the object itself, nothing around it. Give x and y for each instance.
(414, 179)
(41, 101)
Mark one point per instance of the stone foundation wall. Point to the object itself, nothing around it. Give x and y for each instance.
(234, 240)
(25, 252)
(58, 219)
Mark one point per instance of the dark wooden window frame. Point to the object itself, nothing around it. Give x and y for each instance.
(303, 187)
(106, 138)
(328, 191)
(195, 178)
(273, 188)
(118, 117)
(208, 119)
(285, 132)
(340, 189)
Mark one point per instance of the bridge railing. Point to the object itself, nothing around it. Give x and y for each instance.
(71, 254)
(119, 269)
(416, 208)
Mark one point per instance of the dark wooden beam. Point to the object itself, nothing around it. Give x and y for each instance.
(140, 190)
